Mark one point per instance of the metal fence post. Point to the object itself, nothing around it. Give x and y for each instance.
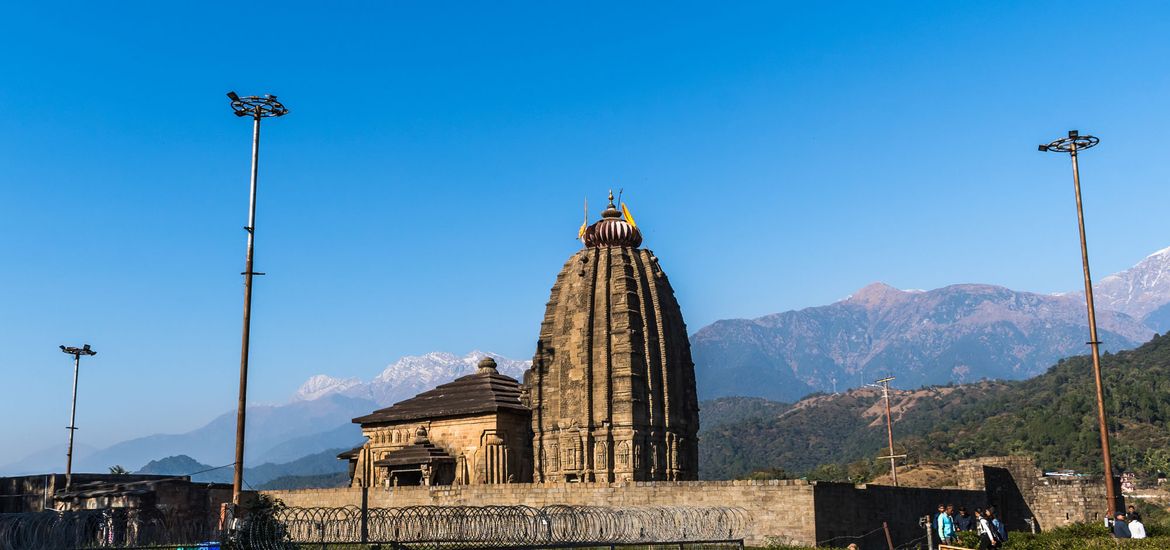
(365, 514)
(930, 533)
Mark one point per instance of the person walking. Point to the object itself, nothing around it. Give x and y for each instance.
(1000, 528)
(945, 525)
(987, 536)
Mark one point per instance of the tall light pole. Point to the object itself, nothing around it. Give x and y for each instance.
(885, 385)
(76, 353)
(258, 108)
(1071, 144)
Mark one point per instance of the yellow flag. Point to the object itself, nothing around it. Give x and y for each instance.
(629, 217)
(585, 223)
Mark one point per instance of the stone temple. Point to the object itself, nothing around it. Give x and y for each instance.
(612, 385)
(610, 395)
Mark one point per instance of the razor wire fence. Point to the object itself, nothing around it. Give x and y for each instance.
(413, 527)
(495, 526)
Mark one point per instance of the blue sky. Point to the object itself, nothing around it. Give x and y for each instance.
(428, 183)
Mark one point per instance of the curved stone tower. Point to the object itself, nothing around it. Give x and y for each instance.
(612, 385)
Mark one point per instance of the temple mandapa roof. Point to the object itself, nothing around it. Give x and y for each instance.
(483, 392)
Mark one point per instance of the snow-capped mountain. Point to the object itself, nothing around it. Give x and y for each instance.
(1142, 291)
(407, 377)
(322, 385)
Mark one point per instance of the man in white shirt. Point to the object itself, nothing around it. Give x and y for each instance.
(1137, 530)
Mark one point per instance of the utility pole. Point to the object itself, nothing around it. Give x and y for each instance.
(258, 108)
(76, 353)
(885, 385)
(1071, 144)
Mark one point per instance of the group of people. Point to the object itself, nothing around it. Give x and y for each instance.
(992, 533)
(947, 524)
(1127, 525)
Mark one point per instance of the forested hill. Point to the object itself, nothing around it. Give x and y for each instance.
(1052, 417)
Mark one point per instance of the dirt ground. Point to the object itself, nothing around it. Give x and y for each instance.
(922, 475)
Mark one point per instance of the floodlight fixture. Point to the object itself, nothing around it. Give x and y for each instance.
(1074, 142)
(256, 106)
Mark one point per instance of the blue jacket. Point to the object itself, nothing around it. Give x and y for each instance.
(946, 526)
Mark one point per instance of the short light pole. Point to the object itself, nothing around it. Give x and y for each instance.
(1071, 144)
(76, 353)
(258, 108)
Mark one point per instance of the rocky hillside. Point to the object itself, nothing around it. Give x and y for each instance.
(1051, 417)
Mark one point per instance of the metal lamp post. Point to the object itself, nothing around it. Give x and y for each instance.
(1071, 144)
(258, 108)
(76, 353)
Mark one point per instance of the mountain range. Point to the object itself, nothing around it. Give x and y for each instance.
(957, 333)
(324, 463)
(1051, 417)
(407, 377)
(316, 418)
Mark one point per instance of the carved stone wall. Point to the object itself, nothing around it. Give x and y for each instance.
(487, 448)
(612, 385)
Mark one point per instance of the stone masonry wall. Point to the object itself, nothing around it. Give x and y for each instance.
(791, 511)
(1020, 490)
(1060, 502)
(779, 509)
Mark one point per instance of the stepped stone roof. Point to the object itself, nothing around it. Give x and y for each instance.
(422, 451)
(483, 392)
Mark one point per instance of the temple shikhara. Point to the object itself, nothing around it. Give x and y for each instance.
(610, 395)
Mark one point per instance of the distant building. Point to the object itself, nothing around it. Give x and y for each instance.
(177, 495)
(610, 396)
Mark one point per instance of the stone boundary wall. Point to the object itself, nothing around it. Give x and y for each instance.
(779, 508)
(1021, 490)
(791, 511)
(1061, 502)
